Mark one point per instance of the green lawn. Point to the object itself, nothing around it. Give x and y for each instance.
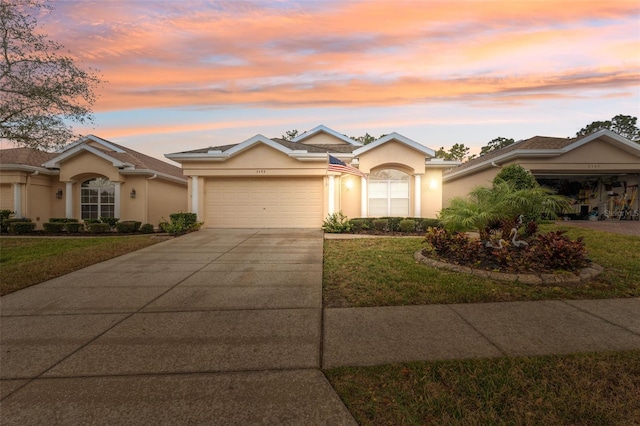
(28, 261)
(584, 389)
(383, 272)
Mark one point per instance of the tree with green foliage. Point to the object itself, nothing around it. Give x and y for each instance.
(624, 125)
(518, 176)
(290, 135)
(457, 152)
(495, 144)
(41, 90)
(487, 208)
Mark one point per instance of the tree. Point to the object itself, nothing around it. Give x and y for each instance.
(42, 90)
(290, 135)
(496, 143)
(624, 125)
(486, 209)
(518, 176)
(458, 152)
(366, 139)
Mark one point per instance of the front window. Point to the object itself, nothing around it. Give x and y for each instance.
(388, 193)
(98, 198)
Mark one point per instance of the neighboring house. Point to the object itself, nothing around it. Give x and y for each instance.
(601, 170)
(88, 179)
(264, 182)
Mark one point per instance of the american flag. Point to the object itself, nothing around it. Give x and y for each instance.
(336, 165)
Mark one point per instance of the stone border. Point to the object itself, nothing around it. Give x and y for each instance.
(585, 274)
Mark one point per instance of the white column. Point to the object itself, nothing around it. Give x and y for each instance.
(417, 199)
(364, 201)
(332, 194)
(116, 204)
(68, 206)
(17, 200)
(194, 195)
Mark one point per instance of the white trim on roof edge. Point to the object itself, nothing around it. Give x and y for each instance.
(398, 137)
(325, 129)
(54, 163)
(630, 146)
(93, 138)
(150, 172)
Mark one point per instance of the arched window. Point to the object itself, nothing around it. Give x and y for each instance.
(388, 193)
(97, 198)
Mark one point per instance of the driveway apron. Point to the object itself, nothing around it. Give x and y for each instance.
(215, 327)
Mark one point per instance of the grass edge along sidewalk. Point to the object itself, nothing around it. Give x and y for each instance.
(28, 261)
(588, 389)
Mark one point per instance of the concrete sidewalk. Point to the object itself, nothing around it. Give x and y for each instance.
(227, 327)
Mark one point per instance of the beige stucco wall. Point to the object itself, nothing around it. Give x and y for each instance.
(350, 200)
(462, 186)
(392, 154)
(86, 164)
(164, 198)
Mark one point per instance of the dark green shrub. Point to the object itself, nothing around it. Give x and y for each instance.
(358, 225)
(188, 219)
(21, 227)
(336, 223)
(62, 220)
(73, 227)
(88, 221)
(181, 223)
(5, 215)
(128, 226)
(426, 223)
(381, 225)
(147, 228)
(393, 223)
(98, 228)
(111, 221)
(407, 225)
(53, 227)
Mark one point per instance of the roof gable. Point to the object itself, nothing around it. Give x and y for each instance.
(540, 147)
(324, 129)
(399, 138)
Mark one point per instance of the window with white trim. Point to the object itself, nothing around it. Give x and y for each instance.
(97, 198)
(388, 193)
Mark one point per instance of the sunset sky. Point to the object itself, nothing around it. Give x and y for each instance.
(190, 74)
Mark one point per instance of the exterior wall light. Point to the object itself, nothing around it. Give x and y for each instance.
(133, 193)
(59, 194)
(349, 184)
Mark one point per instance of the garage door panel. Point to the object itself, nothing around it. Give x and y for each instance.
(264, 202)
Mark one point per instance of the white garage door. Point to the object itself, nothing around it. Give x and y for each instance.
(264, 202)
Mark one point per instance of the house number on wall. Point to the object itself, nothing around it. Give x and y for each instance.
(261, 171)
(593, 166)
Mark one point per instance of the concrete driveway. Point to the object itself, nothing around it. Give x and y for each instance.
(214, 327)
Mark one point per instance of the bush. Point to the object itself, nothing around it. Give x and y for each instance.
(126, 227)
(53, 227)
(73, 227)
(557, 251)
(181, 223)
(88, 221)
(147, 228)
(358, 225)
(111, 221)
(426, 223)
(456, 247)
(62, 220)
(4, 217)
(22, 226)
(381, 225)
(336, 223)
(98, 228)
(407, 225)
(188, 219)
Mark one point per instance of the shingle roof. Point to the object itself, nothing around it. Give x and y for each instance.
(35, 158)
(25, 156)
(144, 162)
(287, 144)
(534, 143)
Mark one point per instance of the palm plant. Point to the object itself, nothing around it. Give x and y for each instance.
(487, 208)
